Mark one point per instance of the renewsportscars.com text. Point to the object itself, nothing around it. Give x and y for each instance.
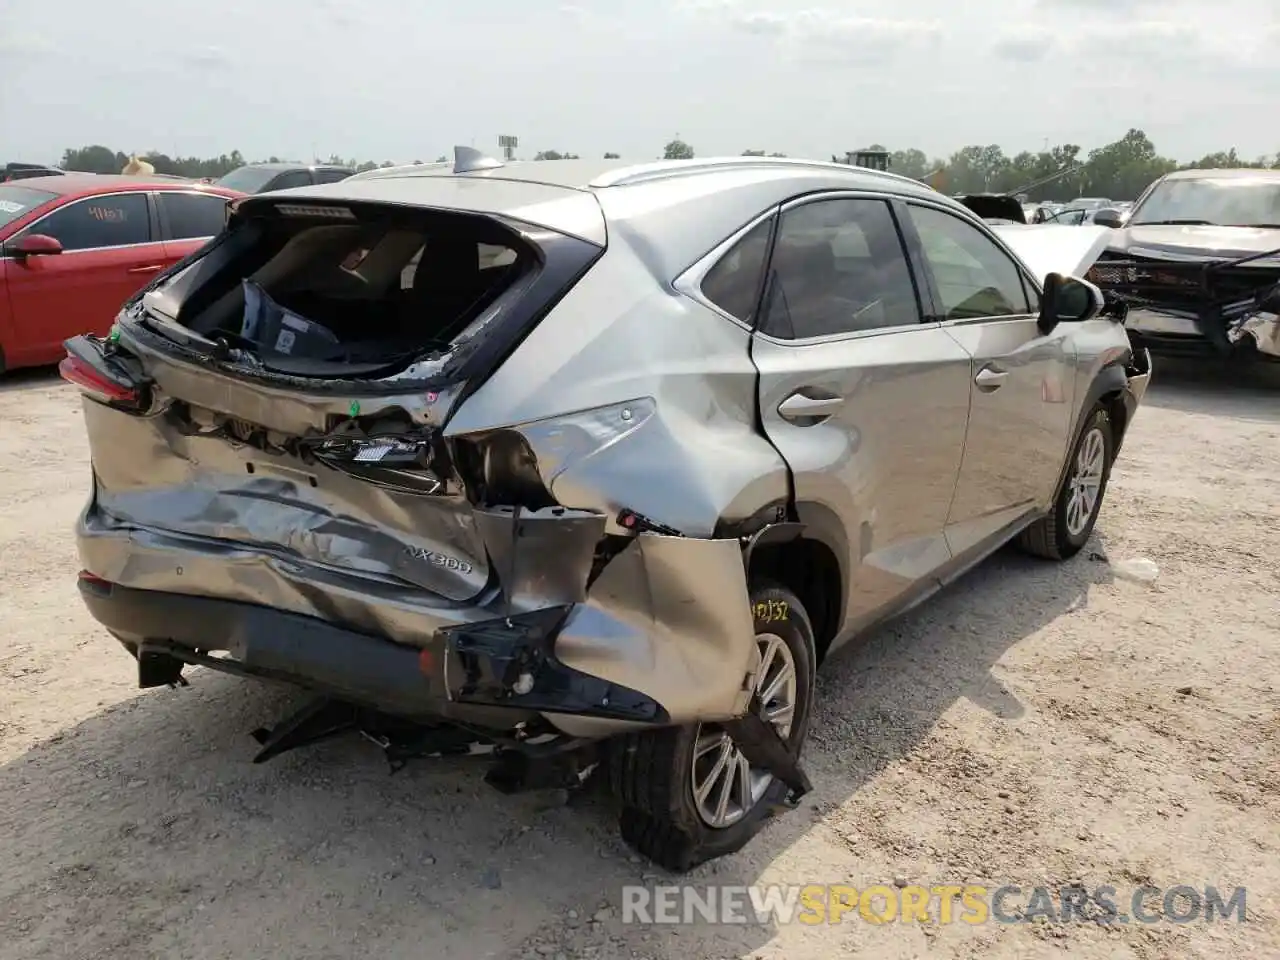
(943, 903)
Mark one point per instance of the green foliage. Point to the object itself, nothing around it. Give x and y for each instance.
(1119, 170)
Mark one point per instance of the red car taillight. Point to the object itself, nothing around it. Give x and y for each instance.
(97, 385)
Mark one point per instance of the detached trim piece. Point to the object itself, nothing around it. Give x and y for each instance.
(509, 662)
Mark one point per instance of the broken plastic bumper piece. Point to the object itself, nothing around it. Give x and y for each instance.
(510, 662)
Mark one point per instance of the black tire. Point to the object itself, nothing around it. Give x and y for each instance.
(651, 774)
(1050, 537)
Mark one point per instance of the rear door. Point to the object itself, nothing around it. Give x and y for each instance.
(188, 220)
(110, 250)
(865, 400)
(1023, 383)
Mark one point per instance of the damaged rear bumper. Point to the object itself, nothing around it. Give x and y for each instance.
(663, 636)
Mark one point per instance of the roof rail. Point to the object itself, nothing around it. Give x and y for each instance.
(664, 169)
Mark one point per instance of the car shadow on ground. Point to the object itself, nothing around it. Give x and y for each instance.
(146, 828)
(29, 377)
(1210, 388)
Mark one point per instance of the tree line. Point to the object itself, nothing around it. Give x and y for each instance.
(1118, 170)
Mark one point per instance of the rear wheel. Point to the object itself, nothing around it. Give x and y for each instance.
(1070, 522)
(688, 794)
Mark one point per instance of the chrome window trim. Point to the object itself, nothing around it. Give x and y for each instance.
(144, 193)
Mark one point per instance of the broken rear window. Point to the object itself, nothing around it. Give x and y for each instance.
(362, 289)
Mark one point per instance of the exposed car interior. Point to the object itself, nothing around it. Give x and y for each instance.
(310, 290)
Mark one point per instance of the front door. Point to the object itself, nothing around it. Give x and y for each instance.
(1020, 416)
(864, 399)
(108, 254)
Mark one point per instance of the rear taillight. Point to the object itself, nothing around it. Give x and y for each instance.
(96, 384)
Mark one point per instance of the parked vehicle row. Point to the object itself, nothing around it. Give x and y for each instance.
(602, 479)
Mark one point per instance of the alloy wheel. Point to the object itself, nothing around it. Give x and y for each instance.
(725, 785)
(1085, 484)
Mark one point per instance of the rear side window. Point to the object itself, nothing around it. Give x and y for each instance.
(113, 221)
(192, 215)
(733, 284)
(331, 176)
(838, 267)
(294, 178)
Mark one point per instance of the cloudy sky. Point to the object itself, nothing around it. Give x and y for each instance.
(407, 79)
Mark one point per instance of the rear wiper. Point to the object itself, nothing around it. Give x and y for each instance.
(1257, 226)
(1172, 223)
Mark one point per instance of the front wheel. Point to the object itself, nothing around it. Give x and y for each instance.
(1070, 522)
(688, 793)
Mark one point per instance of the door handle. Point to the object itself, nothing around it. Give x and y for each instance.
(989, 378)
(799, 407)
(149, 268)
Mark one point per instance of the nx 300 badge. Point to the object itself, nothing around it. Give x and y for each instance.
(439, 559)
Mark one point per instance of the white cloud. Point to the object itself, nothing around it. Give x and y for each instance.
(207, 58)
(26, 44)
(1024, 44)
(823, 34)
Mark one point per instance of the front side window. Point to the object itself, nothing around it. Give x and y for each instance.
(838, 267)
(111, 221)
(193, 215)
(733, 284)
(973, 276)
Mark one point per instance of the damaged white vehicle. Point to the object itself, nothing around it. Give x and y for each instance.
(581, 464)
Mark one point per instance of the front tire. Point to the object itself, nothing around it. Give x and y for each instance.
(1067, 528)
(687, 793)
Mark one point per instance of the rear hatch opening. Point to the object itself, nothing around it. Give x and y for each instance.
(320, 291)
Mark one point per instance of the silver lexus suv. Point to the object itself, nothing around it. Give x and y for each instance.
(586, 465)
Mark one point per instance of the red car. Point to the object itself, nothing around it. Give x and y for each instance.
(73, 248)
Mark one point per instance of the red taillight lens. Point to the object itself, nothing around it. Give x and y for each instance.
(96, 384)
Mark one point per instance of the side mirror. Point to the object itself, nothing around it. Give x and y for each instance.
(1067, 300)
(36, 245)
(1109, 218)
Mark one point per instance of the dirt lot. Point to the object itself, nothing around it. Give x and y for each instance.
(1036, 725)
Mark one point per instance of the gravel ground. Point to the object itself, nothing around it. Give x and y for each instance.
(1036, 724)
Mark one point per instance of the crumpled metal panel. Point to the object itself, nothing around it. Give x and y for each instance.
(671, 618)
(1265, 330)
(151, 475)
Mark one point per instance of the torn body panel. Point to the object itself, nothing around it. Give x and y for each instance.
(664, 633)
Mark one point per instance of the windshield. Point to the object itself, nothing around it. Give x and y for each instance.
(15, 201)
(248, 179)
(1222, 201)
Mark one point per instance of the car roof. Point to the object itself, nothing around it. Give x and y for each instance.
(89, 184)
(1227, 173)
(600, 174)
(676, 210)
